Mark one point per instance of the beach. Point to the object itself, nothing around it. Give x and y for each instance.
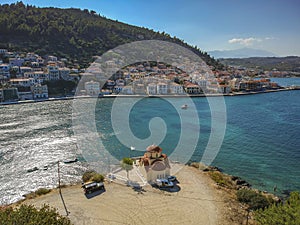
(197, 200)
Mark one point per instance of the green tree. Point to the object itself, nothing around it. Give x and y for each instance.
(127, 164)
(29, 215)
(253, 199)
(287, 213)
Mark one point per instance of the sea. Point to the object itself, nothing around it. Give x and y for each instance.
(261, 142)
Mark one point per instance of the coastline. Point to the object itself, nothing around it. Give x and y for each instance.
(153, 96)
(199, 201)
(199, 196)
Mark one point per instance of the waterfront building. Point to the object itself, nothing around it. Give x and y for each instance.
(139, 89)
(176, 89)
(191, 88)
(154, 165)
(162, 88)
(92, 88)
(224, 89)
(39, 91)
(151, 89)
(127, 90)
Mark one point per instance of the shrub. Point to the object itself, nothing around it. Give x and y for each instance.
(29, 215)
(92, 176)
(253, 199)
(87, 176)
(42, 191)
(219, 178)
(98, 177)
(281, 214)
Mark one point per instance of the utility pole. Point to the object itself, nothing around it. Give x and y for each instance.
(59, 189)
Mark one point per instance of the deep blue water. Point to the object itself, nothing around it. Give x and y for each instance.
(261, 144)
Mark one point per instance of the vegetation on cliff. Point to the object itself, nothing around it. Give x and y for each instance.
(72, 33)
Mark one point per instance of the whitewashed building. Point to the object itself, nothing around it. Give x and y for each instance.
(162, 88)
(38, 76)
(92, 88)
(22, 82)
(39, 91)
(176, 89)
(151, 89)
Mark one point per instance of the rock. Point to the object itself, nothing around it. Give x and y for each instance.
(214, 168)
(242, 183)
(235, 178)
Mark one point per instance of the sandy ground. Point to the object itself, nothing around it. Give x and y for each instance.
(195, 200)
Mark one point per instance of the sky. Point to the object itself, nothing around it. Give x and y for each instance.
(272, 25)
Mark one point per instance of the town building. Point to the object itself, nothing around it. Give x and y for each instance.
(151, 89)
(39, 91)
(16, 62)
(162, 88)
(53, 72)
(176, 89)
(22, 82)
(191, 88)
(38, 76)
(92, 88)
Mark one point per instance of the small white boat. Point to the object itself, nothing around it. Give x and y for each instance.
(185, 106)
(132, 148)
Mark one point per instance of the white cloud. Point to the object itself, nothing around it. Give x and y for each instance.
(269, 38)
(244, 41)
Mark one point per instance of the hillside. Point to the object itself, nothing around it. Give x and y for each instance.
(72, 33)
(290, 63)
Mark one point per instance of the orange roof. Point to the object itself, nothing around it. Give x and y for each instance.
(154, 148)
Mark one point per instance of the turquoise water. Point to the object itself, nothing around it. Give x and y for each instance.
(261, 143)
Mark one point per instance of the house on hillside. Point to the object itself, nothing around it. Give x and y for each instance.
(154, 165)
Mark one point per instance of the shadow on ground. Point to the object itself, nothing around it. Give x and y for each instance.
(175, 188)
(94, 194)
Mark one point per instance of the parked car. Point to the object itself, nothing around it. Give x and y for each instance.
(172, 178)
(164, 183)
(91, 187)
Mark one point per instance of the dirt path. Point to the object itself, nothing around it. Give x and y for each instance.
(196, 201)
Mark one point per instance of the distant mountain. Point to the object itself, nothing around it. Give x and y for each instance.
(290, 63)
(241, 53)
(74, 34)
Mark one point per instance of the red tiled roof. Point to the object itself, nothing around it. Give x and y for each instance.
(154, 148)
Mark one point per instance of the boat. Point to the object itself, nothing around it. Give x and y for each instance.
(71, 161)
(32, 170)
(132, 148)
(185, 106)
